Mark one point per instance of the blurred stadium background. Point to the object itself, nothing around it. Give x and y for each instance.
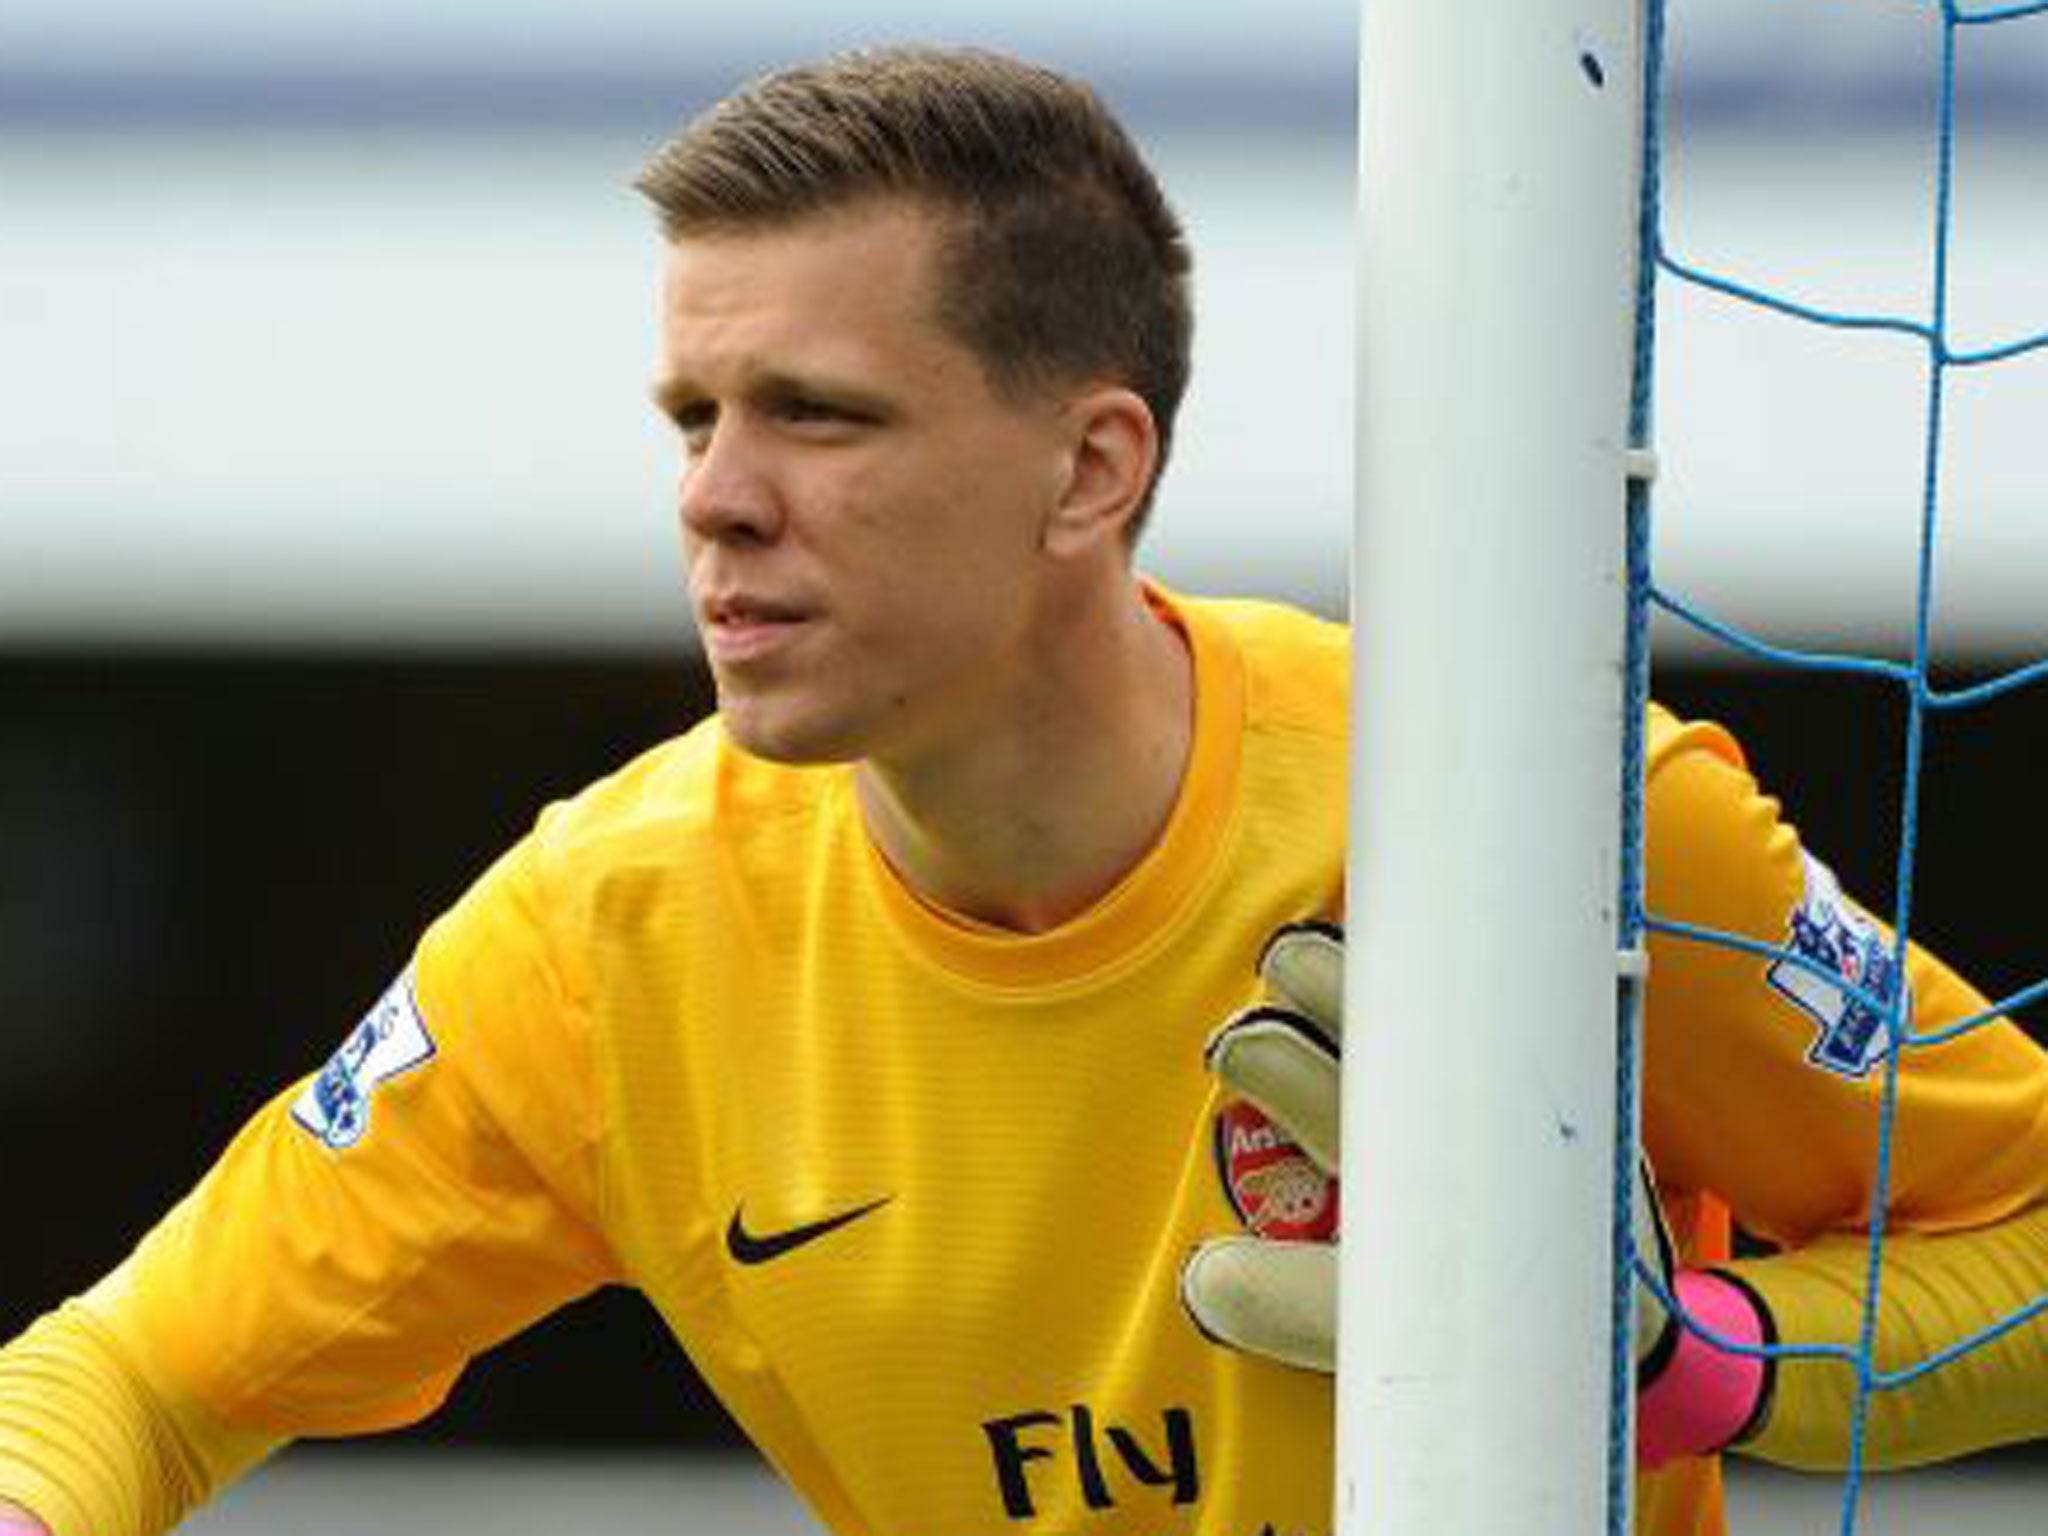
(334, 533)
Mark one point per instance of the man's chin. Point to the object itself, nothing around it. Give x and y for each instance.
(796, 744)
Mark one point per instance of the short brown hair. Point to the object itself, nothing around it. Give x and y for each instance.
(1065, 262)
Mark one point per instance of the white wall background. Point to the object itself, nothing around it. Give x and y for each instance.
(332, 324)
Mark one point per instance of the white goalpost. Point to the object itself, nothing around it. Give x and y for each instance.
(1499, 155)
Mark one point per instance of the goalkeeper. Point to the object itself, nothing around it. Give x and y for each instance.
(831, 1023)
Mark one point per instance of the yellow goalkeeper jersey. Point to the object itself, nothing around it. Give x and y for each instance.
(913, 1192)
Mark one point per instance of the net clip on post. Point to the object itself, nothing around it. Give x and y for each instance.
(1632, 964)
(1640, 465)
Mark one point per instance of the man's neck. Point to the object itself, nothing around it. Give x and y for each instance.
(1031, 823)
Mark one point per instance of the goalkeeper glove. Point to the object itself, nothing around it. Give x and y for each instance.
(1277, 1297)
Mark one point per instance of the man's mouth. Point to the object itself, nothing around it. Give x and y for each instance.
(739, 627)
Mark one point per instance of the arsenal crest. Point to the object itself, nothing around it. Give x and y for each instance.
(1276, 1189)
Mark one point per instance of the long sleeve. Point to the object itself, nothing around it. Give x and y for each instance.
(1763, 1091)
(1935, 1291)
(428, 1193)
(94, 1447)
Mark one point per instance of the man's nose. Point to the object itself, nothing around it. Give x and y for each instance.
(727, 490)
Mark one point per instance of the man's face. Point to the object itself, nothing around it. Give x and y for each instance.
(862, 513)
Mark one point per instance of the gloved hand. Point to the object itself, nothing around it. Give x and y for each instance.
(1266, 1294)
(1273, 1291)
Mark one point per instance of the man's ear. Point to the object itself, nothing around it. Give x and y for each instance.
(1113, 449)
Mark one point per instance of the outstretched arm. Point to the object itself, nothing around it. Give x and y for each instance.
(428, 1194)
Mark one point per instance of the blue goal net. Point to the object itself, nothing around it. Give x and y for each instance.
(1931, 347)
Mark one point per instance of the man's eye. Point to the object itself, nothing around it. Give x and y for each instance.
(817, 411)
(694, 421)
(803, 408)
